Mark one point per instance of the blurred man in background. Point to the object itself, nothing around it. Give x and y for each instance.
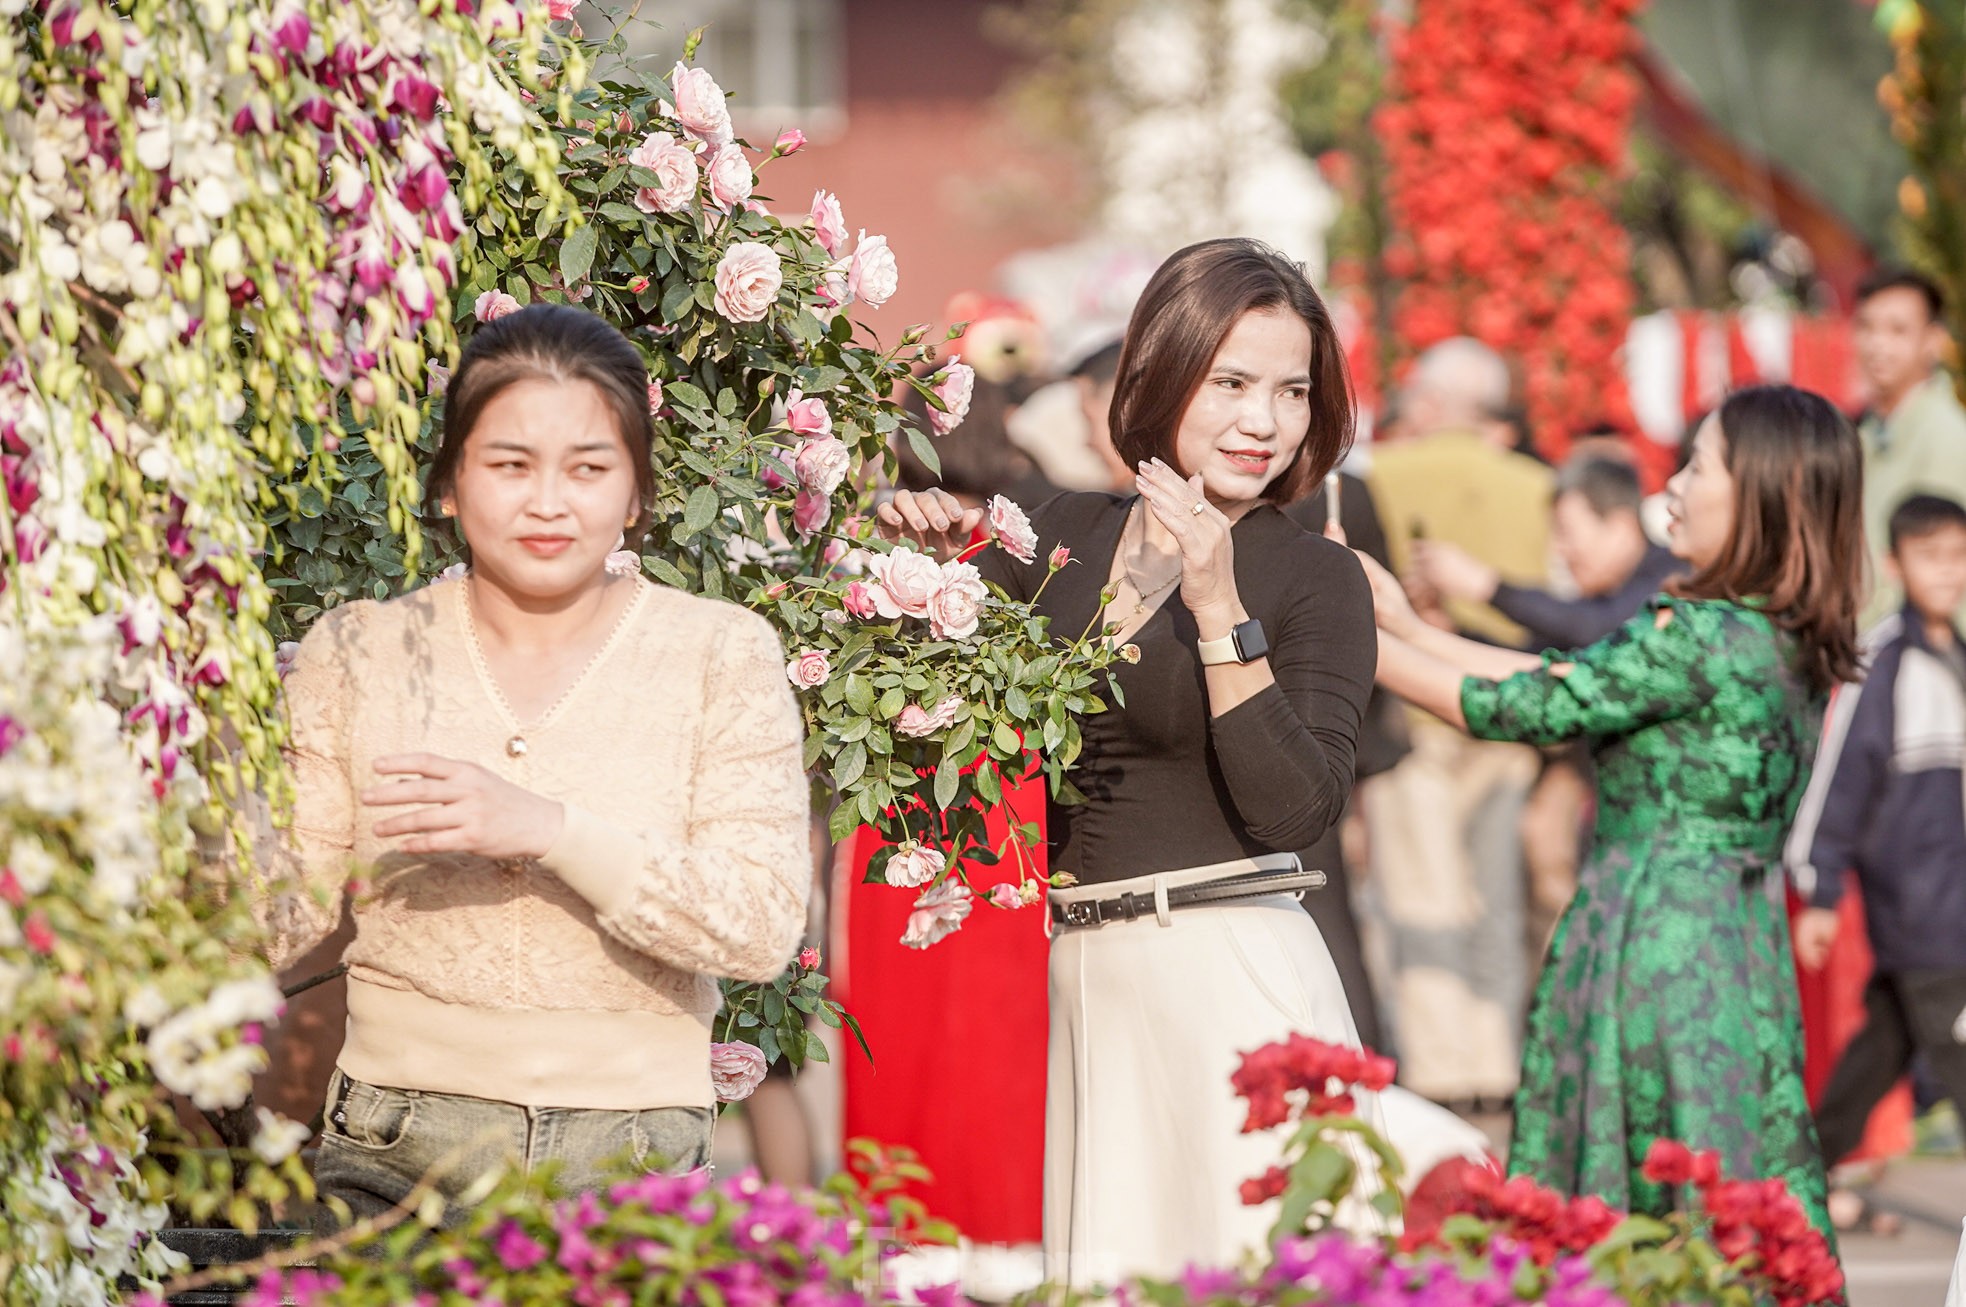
(1446, 851)
(1914, 429)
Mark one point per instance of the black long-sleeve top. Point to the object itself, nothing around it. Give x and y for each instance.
(1382, 740)
(1557, 623)
(1168, 786)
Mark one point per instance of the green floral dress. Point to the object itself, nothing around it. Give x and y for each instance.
(1668, 1006)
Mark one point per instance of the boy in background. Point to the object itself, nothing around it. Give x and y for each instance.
(1886, 801)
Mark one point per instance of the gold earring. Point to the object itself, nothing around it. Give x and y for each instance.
(447, 509)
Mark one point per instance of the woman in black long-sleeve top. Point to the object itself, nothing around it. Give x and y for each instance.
(1182, 946)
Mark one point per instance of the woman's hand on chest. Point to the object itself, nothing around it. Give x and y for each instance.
(460, 807)
(1202, 533)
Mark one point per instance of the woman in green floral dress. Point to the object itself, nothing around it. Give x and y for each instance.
(1667, 1007)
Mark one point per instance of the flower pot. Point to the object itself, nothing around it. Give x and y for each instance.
(224, 1247)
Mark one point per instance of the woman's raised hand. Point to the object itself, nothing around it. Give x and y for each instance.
(933, 519)
(1391, 609)
(1208, 560)
(462, 808)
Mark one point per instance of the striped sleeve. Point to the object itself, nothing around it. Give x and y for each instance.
(1852, 763)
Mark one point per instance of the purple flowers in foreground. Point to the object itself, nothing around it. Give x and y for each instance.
(1338, 1271)
(738, 1243)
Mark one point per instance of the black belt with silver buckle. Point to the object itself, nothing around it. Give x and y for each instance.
(1087, 914)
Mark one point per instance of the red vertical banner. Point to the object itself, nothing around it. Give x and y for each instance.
(957, 1032)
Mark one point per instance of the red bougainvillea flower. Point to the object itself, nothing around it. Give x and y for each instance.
(1264, 1187)
(1305, 1077)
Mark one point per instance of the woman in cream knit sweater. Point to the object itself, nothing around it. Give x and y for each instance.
(565, 800)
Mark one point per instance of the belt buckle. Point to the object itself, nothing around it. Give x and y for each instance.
(1085, 912)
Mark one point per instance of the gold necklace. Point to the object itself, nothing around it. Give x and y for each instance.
(1142, 595)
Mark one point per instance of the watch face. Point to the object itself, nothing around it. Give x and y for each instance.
(1250, 642)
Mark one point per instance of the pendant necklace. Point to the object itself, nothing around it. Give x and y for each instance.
(515, 744)
(1142, 595)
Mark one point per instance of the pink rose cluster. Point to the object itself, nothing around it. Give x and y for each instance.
(819, 464)
(869, 277)
(905, 583)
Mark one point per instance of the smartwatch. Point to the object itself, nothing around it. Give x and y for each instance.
(1244, 643)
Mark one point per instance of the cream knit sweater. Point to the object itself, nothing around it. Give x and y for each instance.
(583, 978)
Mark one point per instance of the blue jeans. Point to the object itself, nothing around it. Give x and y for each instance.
(377, 1143)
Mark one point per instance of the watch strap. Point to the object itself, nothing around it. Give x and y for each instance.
(1244, 643)
(1216, 652)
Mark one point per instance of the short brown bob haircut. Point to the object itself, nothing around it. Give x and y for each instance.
(1797, 549)
(549, 342)
(1188, 309)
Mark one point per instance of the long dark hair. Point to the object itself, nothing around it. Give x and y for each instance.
(549, 342)
(1189, 307)
(1797, 548)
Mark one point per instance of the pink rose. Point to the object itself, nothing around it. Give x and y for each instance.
(873, 276)
(808, 958)
(456, 571)
(809, 670)
(914, 865)
(859, 600)
(730, 177)
(284, 655)
(560, 10)
(638, 284)
(736, 1070)
(821, 464)
(828, 223)
(493, 305)
(806, 415)
(953, 385)
(908, 581)
(700, 105)
(1005, 894)
(831, 291)
(954, 608)
(1059, 557)
(810, 511)
(624, 562)
(748, 278)
(1013, 530)
(675, 174)
(915, 722)
(790, 141)
(655, 396)
(938, 914)
(437, 378)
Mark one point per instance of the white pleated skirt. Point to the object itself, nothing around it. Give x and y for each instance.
(1144, 1150)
